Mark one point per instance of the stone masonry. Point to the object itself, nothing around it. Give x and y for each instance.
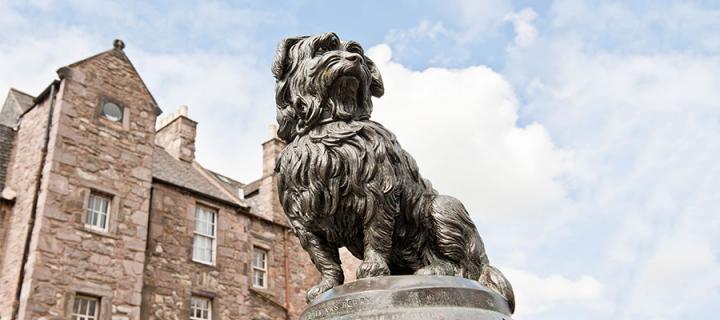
(58, 148)
(23, 171)
(85, 154)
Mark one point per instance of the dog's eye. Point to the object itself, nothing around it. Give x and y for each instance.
(354, 49)
(322, 50)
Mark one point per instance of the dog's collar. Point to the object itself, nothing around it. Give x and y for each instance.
(304, 129)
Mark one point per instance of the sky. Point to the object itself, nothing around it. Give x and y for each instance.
(583, 136)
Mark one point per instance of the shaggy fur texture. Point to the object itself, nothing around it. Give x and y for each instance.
(344, 180)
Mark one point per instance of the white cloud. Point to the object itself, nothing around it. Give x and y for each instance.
(424, 29)
(231, 97)
(681, 275)
(32, 61)
(480, 18)
(538, 295)
(449, 42)
(628, 26)
(642, 119)
(525, 32)
(461, 127)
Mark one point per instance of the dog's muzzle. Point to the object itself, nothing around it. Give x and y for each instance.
(352, 64)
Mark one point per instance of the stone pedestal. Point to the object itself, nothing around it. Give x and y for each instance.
(409, 297)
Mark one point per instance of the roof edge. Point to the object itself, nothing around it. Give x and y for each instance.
(21, 92)
(40, 97)
(119, 50)
(217, 184)
(244, 210)
(196, 192)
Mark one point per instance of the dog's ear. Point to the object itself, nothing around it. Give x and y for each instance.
(286, 117)
(377, 88)
(280, 62)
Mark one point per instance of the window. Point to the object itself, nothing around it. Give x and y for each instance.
(204, 238)
(98, 210)
(259, 264)
(200, 308)
(85, 308)
(112, 111)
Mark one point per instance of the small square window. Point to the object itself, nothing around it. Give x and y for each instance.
(204, 236)
(98, 211)
(85, 308)
(259, 264)
(200, 308)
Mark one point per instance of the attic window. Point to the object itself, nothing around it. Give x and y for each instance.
(112, 111)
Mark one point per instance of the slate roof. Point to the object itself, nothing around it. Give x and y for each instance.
(168, 169)
(25, 101)
(16, 104)
(6, 139)
(230, 184)
(252, 187)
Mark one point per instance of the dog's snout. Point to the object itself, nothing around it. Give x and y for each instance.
(353, 57)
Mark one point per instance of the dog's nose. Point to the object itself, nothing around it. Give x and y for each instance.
(353, 57)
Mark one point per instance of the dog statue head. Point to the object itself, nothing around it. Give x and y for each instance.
(321, 79)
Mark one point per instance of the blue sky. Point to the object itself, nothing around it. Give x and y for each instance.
(582, 135)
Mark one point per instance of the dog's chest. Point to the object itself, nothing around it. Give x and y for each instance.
(327, 176)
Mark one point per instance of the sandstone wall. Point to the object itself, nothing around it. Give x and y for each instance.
(91, 153)
(7, 137)
(171, 277)
(267, 203)
(5, 210)
(22, 177)
(349, 265)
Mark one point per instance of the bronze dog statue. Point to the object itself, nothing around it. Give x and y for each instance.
(344, 180)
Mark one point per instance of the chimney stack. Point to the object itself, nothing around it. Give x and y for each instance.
(271, 151)
(268, 187)
(176, 134)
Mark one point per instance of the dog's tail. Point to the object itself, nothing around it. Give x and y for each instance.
(458, 239)
(492, 278)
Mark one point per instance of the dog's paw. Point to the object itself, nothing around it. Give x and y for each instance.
(324, 285)
(372, 269)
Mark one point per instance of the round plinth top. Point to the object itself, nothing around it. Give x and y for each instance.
(409, 297)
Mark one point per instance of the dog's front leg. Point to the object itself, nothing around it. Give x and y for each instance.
(378, 243)
(326, 259)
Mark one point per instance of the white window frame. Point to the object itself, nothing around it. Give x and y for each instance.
(84, 314)
(92, 211)
(197, 307)
(256, 268)
(212, 237)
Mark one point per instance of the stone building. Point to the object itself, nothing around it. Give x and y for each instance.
(106, 214)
